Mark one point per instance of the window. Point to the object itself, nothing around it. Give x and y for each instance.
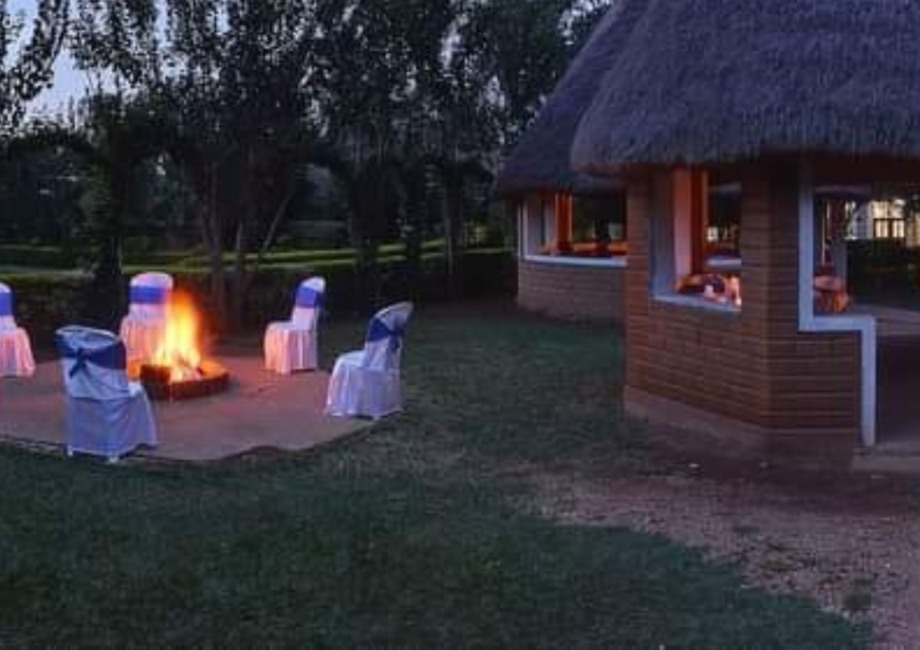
(834, 218)
(879, 220)
(723, 228)
(888, 220)
(574, 229)
(696, 243)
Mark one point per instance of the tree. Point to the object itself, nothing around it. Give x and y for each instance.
(522, 47)
(242, 100)
(405, 112)
(366, 69)
(409, 102)
(112, 139)
(233, 79)
(26, 70)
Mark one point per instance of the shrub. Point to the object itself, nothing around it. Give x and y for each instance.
(41, 257)
(44, 302)
(882, 265)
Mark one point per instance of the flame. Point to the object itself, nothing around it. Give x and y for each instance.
(180, 350)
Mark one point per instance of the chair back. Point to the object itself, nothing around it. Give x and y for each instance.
(7, 317)
(385, 336)
(94, 363)
(150, 294)
(308, 304)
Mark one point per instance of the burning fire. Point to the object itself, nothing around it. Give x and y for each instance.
(180, 351)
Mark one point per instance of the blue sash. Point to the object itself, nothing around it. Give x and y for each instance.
(149, 295)
(379, 331)
(309, 298)
(6, 304)
(112, 357)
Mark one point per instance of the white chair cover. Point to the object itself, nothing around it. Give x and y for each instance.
(367, 383)
(291, 346)
(144, 328)
(16, 358)
(107, 415)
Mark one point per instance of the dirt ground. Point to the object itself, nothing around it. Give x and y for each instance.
(849, 542)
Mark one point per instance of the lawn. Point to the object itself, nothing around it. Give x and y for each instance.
(412, 535)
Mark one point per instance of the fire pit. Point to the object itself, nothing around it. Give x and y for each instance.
(212, 378)
(178, 370)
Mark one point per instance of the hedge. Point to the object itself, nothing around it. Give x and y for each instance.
(883, 265)
(45, 302)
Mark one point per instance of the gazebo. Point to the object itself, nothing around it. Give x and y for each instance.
(572, 236)
(776, 99)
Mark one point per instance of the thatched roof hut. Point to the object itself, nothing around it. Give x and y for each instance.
(541, 161)
(729, 80)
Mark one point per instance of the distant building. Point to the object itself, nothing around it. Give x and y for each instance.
(886, 220)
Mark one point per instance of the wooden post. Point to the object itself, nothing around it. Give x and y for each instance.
(564, 223)
(699, 219)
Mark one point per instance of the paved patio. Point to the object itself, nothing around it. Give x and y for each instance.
(261, 410)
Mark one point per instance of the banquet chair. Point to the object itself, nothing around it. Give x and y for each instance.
(107, 415)
(291, 346)
(367, 383)
(144, 328)
(16, 358)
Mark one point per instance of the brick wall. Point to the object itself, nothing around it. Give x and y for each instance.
(754, 367)
(576, 292)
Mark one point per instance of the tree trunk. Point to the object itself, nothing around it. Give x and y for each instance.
(417, 194)
(272, 232)
(365, 245)
(212, 233)
(368, 273)
(454, 231)
(239, 276)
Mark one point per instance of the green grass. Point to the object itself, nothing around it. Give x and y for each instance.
(307, 260)
(410, 536)
(314, 261)
(10, 272)
(49, 259)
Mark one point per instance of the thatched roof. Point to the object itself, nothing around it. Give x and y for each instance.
(706, 81)
(542, 159)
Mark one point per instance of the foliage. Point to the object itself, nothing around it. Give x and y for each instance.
(113, 139)
(882, 267)
(39, 193)
(408, 102)
(522, 47)
(233, 79)
(27, 67)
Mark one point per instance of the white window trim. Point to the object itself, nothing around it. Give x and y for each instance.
(724, 263)
(698, 303)
(809, 322)
(561, 260)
